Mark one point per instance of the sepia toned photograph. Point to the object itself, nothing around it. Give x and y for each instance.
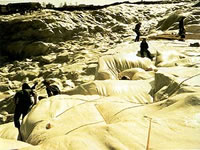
(99, 74)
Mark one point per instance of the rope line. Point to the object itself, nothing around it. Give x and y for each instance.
(83, 126)
(124, 110)
(76, 106)
(178, 86)
(149, 134)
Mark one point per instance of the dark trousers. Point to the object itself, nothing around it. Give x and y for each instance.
(18, 112)
(137, 36)
(182, 32)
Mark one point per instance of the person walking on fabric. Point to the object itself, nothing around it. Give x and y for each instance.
(137, 31)
(24, 100)
(181, 28)
(144, 49)
(51, 89)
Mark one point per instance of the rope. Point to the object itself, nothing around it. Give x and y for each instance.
(149, 134)
(178, 86)
(189, 78)
(139, 105)
(76, 106)
(84, 126)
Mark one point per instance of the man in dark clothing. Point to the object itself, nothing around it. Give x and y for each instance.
(144, 49)
(181, 28)
(51, 89)
(24, 100)
(137, 31)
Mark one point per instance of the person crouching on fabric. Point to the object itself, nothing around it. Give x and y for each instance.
(144, 49)
(51, 89)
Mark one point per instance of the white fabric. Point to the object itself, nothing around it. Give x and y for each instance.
(6, 144)
(110, 66)
(133, 91)
(8, 131)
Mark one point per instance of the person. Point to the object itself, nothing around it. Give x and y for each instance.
(24, 100)
(125, 78)
(181, 28)
(144, 49)
(137, 31)
(51, 89)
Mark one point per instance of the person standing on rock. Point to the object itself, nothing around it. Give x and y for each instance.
(144, 49)
(51, 89)
(137, 31)
(24, 100)
(181, 28)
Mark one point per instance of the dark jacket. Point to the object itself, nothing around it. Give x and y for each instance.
(52, 90)
(137, 27)
(24, 100)
(144, 45)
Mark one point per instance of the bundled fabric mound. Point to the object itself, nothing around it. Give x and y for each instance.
(113, 114)
(8, 131)
(133, 91)
(42, 116)
(110, 66)
(172, 58)
(12, 144)
(137, 74)
(91, 122)
(170, 81)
